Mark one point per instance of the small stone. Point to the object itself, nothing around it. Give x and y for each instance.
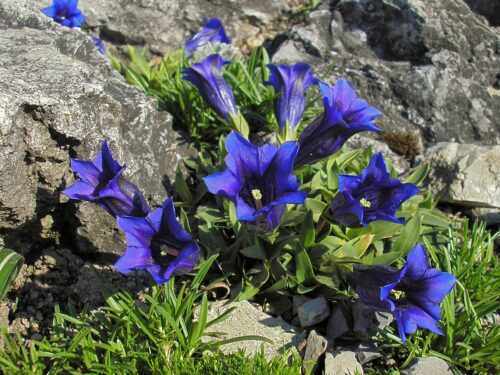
(248, 320)
(428, 365)
(367, 320)
(299, 301)
(366, 352)
(342, 363)
(338, 323)
(313, 312)
(315, 347)
(39, 316)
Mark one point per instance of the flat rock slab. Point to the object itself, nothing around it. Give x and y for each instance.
(465, 174)
(428, 366)
(248, 320)
(59, 99)
(342, 363)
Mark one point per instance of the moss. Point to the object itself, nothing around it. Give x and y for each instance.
(403, 143)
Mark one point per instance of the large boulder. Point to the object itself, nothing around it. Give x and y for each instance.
(463, 174)
(59, 99)
(430, 67)
(167, 24)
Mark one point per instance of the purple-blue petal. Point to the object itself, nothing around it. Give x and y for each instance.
(223, 183)
(207, 77)
(79, 190)
(346, 210)
(291, 83)
(212, 31)
(135, 258)
(138, 230)
(185, 261)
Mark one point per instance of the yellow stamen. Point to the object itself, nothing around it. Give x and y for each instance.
(165, 250)
(398, 294)
(257, 195)
(365, 203)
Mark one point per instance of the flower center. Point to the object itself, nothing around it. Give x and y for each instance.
(398, 294)
(165, 250)
(257, 196)
(365, 203)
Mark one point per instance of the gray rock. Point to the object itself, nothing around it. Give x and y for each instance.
(297, 301)
(465, 174)
(367, 320)
(315, 347)
(59, 99)
(342, 363)
(339, 322)
(313, 311)
(167, 24)
(490, 215)
(431, 68)
(248, 320)
(366, 352)
(426, 366)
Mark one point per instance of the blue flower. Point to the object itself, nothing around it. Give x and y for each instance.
(212, 32)
(413, 294)
(291, 83)
(99, 44)
(157, 243)
(259, 181)
(102, 182)
(65, 12)
(372, 195)
(207, 78)
(344, 116)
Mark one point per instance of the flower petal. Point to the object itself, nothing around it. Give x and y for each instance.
(135, 258)
(346, 210)
(222, 183)
(138, 230)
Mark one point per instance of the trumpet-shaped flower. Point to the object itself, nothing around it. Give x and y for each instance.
(291, 83)
(344, 116)
(412, 294)
(212, 32)
(207, 77)
(373, 195)
(157, 243)
(259, 181)
(102, 182)
(65, 12)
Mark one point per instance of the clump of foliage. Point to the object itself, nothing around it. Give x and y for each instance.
(160, 335)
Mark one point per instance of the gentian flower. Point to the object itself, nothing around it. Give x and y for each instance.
(207, 78)
(412, 294)
(99, 44)
(372, 195)
(259, 181)
(102, 182)
(65, 12)
(291, 82)
(344, 116)
(212, 32)
(157, 243)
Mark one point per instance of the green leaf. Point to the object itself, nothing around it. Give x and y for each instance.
(10, 266)
(409, 235)
(386, 259)
(182, 187)
(304, 269)
(418, 175)
(316, 206)
(307, 231)
(254, 252)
